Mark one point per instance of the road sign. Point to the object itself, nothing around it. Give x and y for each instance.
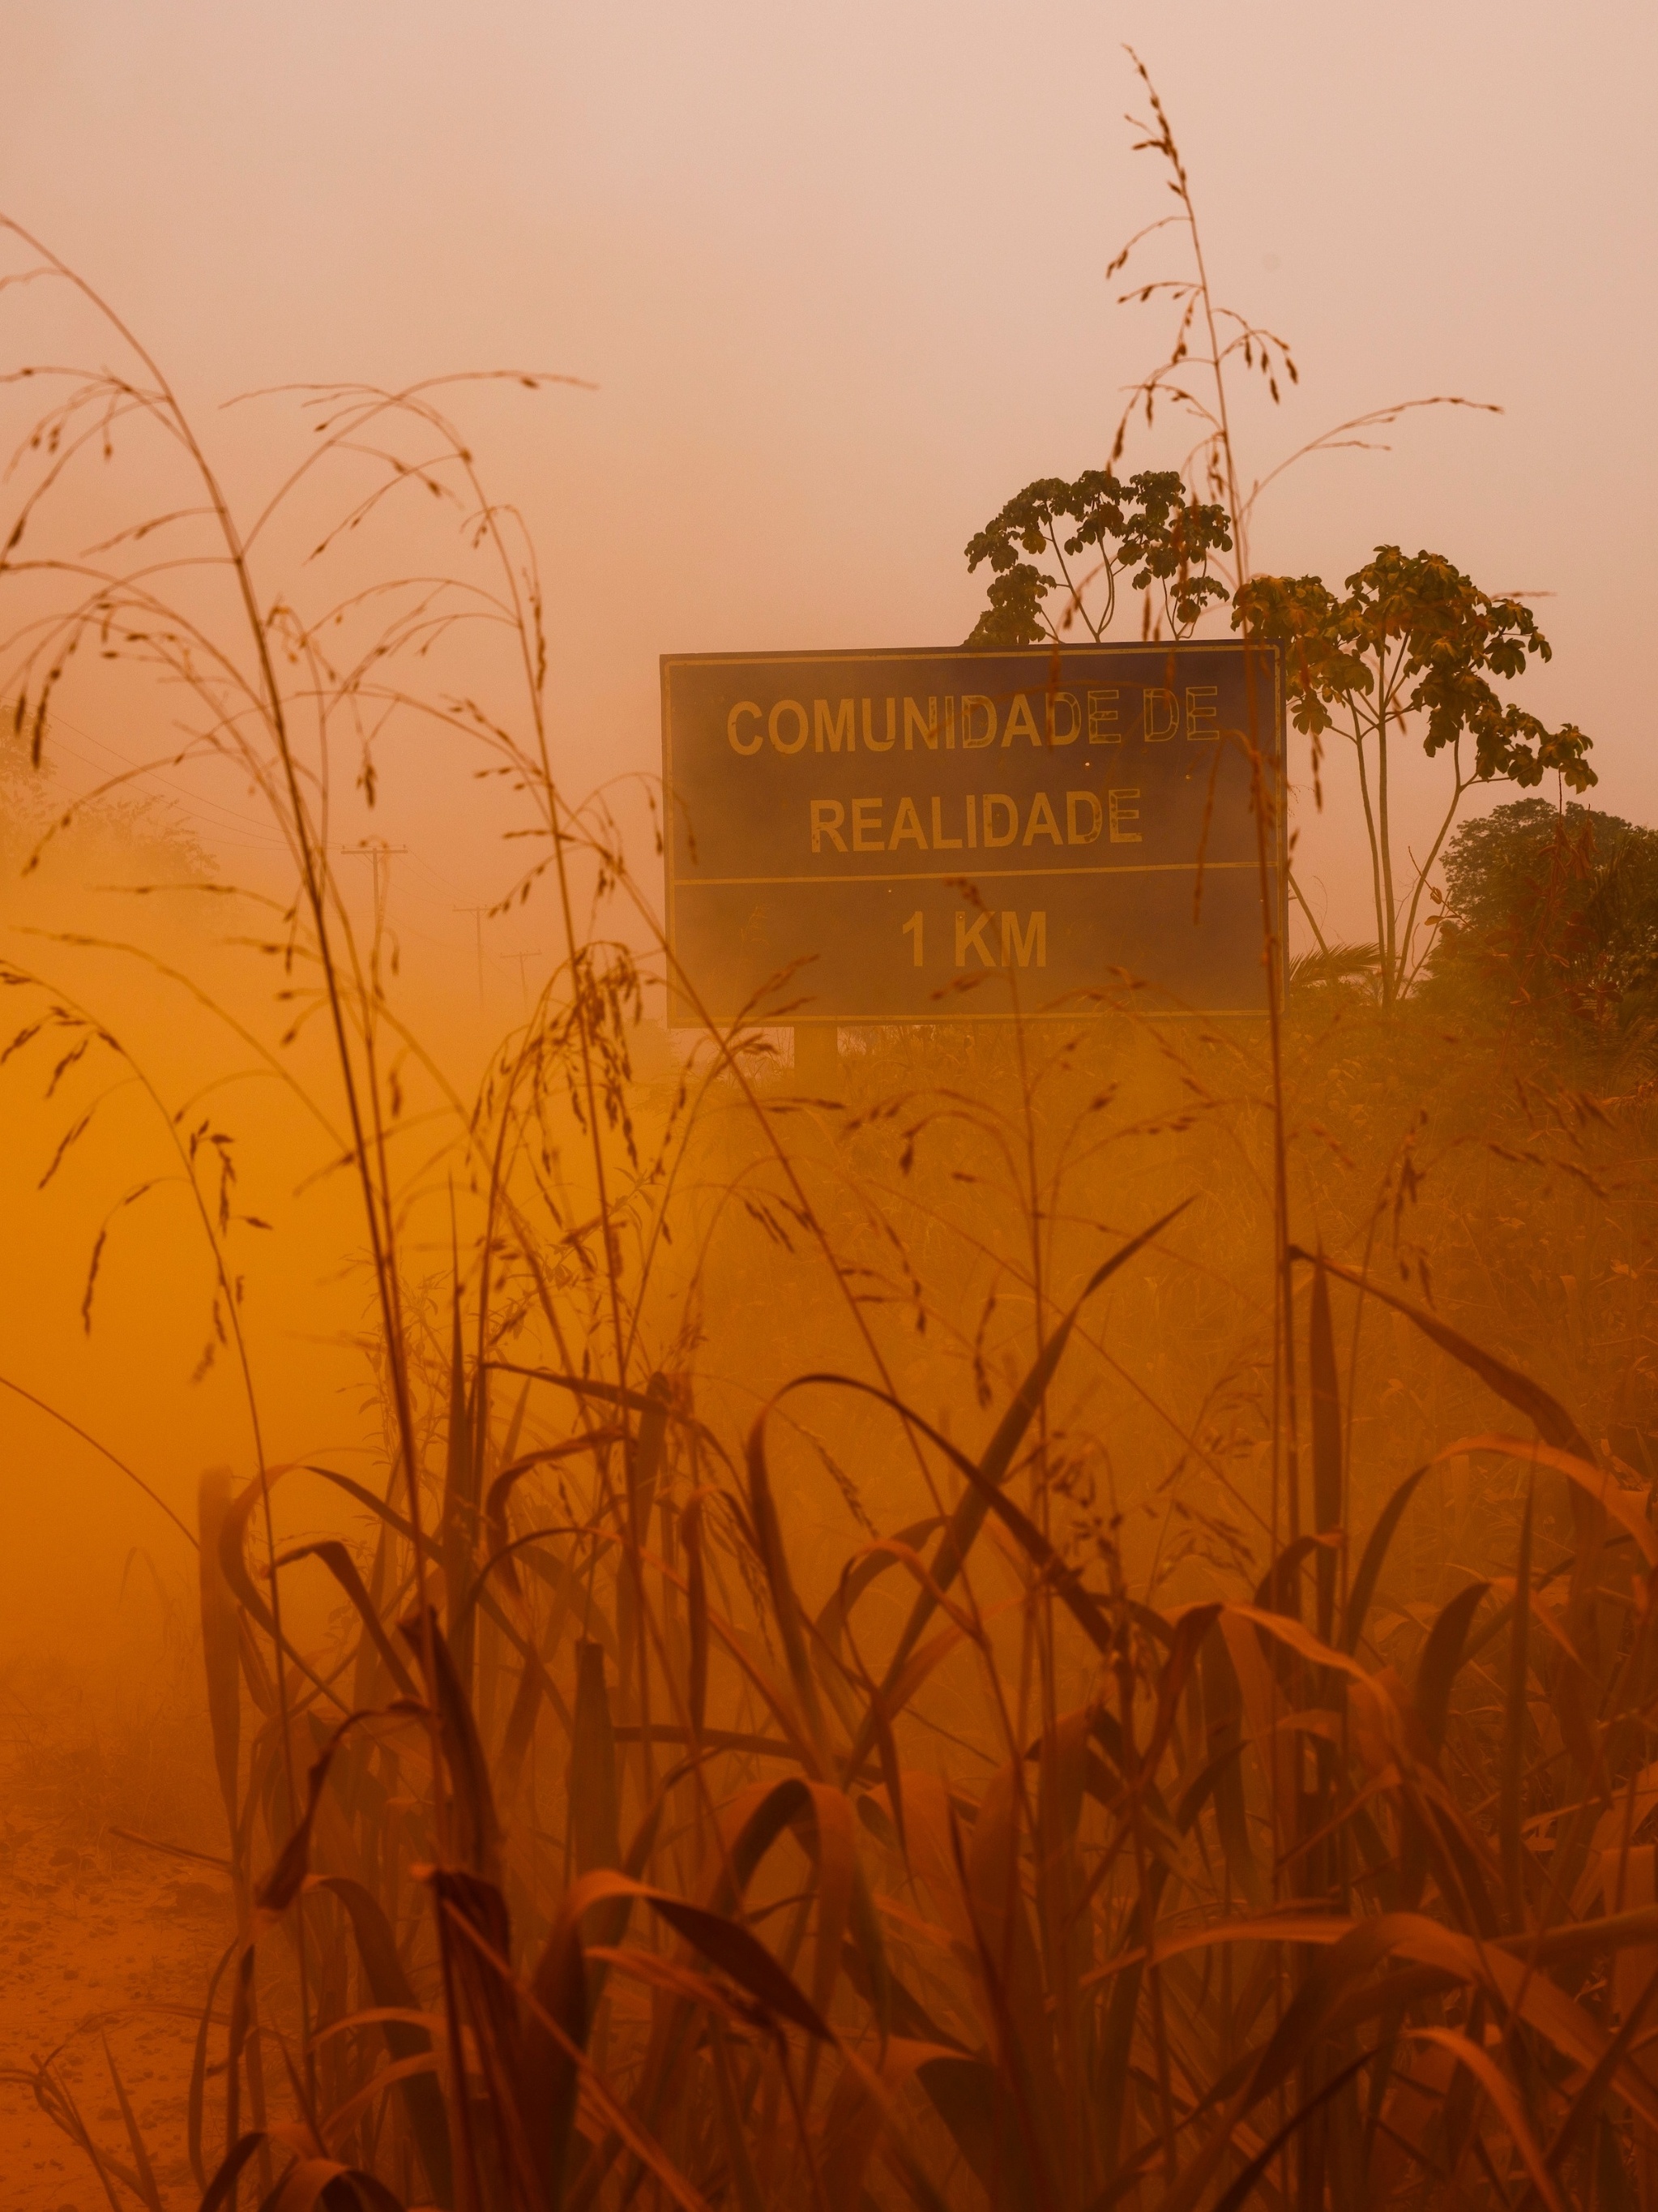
(1041, 822)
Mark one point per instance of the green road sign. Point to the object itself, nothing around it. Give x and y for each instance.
(951, 835)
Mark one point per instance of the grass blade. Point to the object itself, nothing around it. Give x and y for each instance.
(696, 1607)
(1374, 1557)
(478, 1837)
(595, 1807)
(1554, 1424)
(1515, 1718)
(1442, 1656)
(1327, 1485)
(219, 1639)
(393, 1991)
(552, 2076)
(992, 1469)
(343, 1568)
(140, 2165)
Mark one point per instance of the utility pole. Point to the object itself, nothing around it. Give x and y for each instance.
(477, 914)
(382, 855)
(523, 958)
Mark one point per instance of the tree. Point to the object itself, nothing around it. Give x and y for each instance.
(1413, 636)
(1147, 529)
(1556, 906)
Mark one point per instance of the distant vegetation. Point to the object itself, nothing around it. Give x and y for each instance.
(1556, 910)
(1073, 1628)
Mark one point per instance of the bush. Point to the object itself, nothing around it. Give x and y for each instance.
(1556, 909)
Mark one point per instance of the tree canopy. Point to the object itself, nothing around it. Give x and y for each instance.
(1435, 639)
(1149, 530)
(1557, 908)
(1412, 635)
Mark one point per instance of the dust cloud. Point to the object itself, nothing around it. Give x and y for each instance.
(789, 1554)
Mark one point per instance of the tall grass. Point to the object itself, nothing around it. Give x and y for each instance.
(1045, 1634)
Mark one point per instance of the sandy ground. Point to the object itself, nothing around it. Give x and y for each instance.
(108, 1941)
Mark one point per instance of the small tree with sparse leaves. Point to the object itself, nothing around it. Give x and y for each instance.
(1413, 638)
(1149, 531)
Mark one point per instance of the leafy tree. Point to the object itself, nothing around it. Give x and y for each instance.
(1557, 906)
(1148, 530)
(1412, 637)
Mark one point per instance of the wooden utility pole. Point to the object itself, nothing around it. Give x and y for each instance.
(477, 914)
(382, 855)
(523, 958)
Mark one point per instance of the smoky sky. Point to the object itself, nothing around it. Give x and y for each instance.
(838, 277)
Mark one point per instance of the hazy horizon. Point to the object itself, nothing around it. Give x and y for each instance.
(840, 285)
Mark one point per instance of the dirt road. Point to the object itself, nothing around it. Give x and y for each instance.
(108, 1945)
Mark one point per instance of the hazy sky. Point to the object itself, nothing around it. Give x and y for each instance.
(838, 276)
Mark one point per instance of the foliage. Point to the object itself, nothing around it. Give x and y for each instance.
(966, 1862)
(621, 1841)
(1196, 380)
(1412, 635)
(1557, 908)
(1209, 342)
(1146, 530)
(1208, 338)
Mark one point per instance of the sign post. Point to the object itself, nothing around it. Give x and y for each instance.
(927, 836)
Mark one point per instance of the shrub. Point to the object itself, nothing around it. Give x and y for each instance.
(1556, 909)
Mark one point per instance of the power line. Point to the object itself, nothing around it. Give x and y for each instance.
(374, 847)
(220, 823)
(477, 914)
(377, 850)
(533, 953)
(191, 803)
